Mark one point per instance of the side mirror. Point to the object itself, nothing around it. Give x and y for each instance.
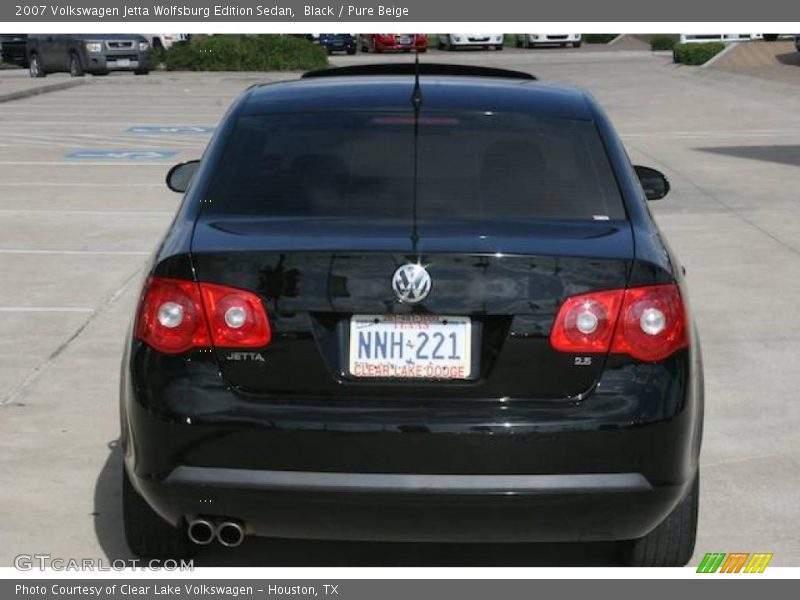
(654, 183)
(180, 176)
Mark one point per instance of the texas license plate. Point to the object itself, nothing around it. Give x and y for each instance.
(410, 346)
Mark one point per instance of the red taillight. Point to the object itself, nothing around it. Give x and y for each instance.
(171, 317)
(652, 323)
(647, 323)
(237, 318)
(585, 323)
(176, 315)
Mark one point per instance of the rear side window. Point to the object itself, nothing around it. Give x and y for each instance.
(469, 165)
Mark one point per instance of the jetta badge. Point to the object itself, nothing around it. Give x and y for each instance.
(411, 283)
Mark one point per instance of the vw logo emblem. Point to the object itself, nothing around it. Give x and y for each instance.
(411, 283)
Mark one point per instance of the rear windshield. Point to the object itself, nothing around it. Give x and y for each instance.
(469, 165)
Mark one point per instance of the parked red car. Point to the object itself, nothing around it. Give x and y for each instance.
(394, 42)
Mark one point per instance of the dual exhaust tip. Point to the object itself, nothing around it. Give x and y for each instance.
(203, 531)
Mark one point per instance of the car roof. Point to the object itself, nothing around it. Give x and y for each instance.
(439, 92)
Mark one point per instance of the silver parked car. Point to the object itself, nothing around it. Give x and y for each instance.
(530, 40)
(453, 41)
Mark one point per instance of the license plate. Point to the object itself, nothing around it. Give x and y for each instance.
(123, 62)
(410, 347)
(404, 40)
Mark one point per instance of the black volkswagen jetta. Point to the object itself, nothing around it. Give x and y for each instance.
(404, 305)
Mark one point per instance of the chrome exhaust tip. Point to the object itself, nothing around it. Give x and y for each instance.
(201, 531)
(230, 534)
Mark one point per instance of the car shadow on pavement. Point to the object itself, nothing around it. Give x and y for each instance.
(108, 506)
(787, 155)
(293, 553)
(313, 553)
(789, 58)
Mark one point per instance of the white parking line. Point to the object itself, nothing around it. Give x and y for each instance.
(75, 252)
(33, 375)
(83, 125)
(88, 213)
(86, 184)
(143, 139)
(150, 96)
(40, 140)
(176, 114)
(19, 309)
(79, 140)
(714, 134)
(77, 162)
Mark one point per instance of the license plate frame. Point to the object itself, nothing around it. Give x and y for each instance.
(454, 359)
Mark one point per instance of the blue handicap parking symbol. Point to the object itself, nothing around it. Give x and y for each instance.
(122, 154)
(166, 129)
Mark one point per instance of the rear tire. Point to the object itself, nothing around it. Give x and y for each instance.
(75, 67)
(147, 534)
(671, 544)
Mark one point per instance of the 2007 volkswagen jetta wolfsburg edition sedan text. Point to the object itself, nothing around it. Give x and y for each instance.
(413, 304)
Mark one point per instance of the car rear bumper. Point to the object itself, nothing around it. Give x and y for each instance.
(390, 507)
(608, 467)
(407, 483)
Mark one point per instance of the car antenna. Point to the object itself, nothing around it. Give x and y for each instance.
(416, 94)
(416, 103)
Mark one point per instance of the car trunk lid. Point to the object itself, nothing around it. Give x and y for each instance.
(313, 275)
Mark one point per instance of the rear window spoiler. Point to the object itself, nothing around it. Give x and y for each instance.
(422, 69)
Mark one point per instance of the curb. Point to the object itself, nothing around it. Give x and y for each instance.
(43, 89)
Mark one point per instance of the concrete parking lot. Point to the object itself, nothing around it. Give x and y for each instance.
(82, 203)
